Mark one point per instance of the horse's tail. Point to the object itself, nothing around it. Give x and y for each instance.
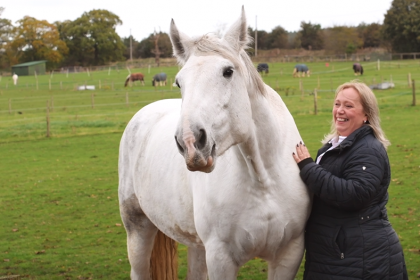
(126, 81)
(361, 70)
(164, 259)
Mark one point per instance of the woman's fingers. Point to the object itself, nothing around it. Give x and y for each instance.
(301, 152)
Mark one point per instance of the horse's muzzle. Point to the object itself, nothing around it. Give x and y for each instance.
(198, 153)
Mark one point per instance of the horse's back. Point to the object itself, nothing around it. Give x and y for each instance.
(301, 67)
(152, 170)
(160, 77)
(150, 127)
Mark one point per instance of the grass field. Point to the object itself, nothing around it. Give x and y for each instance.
(60, 217)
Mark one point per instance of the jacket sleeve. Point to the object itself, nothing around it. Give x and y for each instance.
(362, 180)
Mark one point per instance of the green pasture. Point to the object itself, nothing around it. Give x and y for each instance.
(59, 204)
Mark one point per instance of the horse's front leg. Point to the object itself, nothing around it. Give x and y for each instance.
(287, 261)
(220, 263)
(197, 268)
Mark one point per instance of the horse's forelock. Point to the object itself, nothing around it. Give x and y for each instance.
(209, 44)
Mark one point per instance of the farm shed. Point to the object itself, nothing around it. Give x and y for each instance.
(29, 68)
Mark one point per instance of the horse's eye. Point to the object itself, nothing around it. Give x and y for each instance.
(228, 73)
(177, 84)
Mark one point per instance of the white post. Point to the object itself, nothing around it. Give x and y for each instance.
(379, 65)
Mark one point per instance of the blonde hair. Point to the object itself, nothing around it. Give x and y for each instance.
(370, 107)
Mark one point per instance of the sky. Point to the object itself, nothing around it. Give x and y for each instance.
(196, 17)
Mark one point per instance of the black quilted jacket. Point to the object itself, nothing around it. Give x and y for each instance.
(348, 235)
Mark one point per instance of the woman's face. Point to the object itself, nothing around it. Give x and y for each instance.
(348, 112)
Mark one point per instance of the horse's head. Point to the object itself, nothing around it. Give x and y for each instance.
(216, 81)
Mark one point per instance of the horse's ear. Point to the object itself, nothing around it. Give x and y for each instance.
(179, 43)
(237, 35)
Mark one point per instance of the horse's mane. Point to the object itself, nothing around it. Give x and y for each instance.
(210, 44)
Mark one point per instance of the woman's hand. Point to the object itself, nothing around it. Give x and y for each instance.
(301, 152)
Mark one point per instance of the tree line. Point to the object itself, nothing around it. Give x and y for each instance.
(92, 40)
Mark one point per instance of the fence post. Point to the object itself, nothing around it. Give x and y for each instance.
(414, 92)
(315, 103)
(409, 80)
(92, 100)
(48, 118)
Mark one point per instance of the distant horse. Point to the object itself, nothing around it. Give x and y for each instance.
(15, 78)
(358, 69)
(245, 198)
(263, 67)
(301, 68)
(134, 77)
(159, 79)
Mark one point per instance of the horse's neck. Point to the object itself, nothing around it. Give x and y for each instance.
(273, 138)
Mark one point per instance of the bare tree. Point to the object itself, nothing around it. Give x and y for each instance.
(156, 52)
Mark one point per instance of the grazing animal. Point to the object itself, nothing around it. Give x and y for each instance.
(15, 78)
(228, 186)
(301, 68)
(358, 69)
(159, 79)
(263, 67)
(134, 77)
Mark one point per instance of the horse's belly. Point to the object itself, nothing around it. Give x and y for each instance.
(159, 173)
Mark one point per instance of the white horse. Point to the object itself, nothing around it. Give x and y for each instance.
(246, 199)
(15, 78)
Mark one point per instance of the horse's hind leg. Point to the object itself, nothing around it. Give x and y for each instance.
(140, 236)
(197, 268)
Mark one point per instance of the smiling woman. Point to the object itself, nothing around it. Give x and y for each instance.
(348, 112)
(348, 233)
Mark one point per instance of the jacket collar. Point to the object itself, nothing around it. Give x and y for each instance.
(349, 141)
(355, 135)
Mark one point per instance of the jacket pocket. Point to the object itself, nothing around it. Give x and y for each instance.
(339, 242)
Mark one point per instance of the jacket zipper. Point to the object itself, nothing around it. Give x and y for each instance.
(342, 255)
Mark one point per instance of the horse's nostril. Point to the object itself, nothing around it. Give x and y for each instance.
(180, 149)
(202, 139)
